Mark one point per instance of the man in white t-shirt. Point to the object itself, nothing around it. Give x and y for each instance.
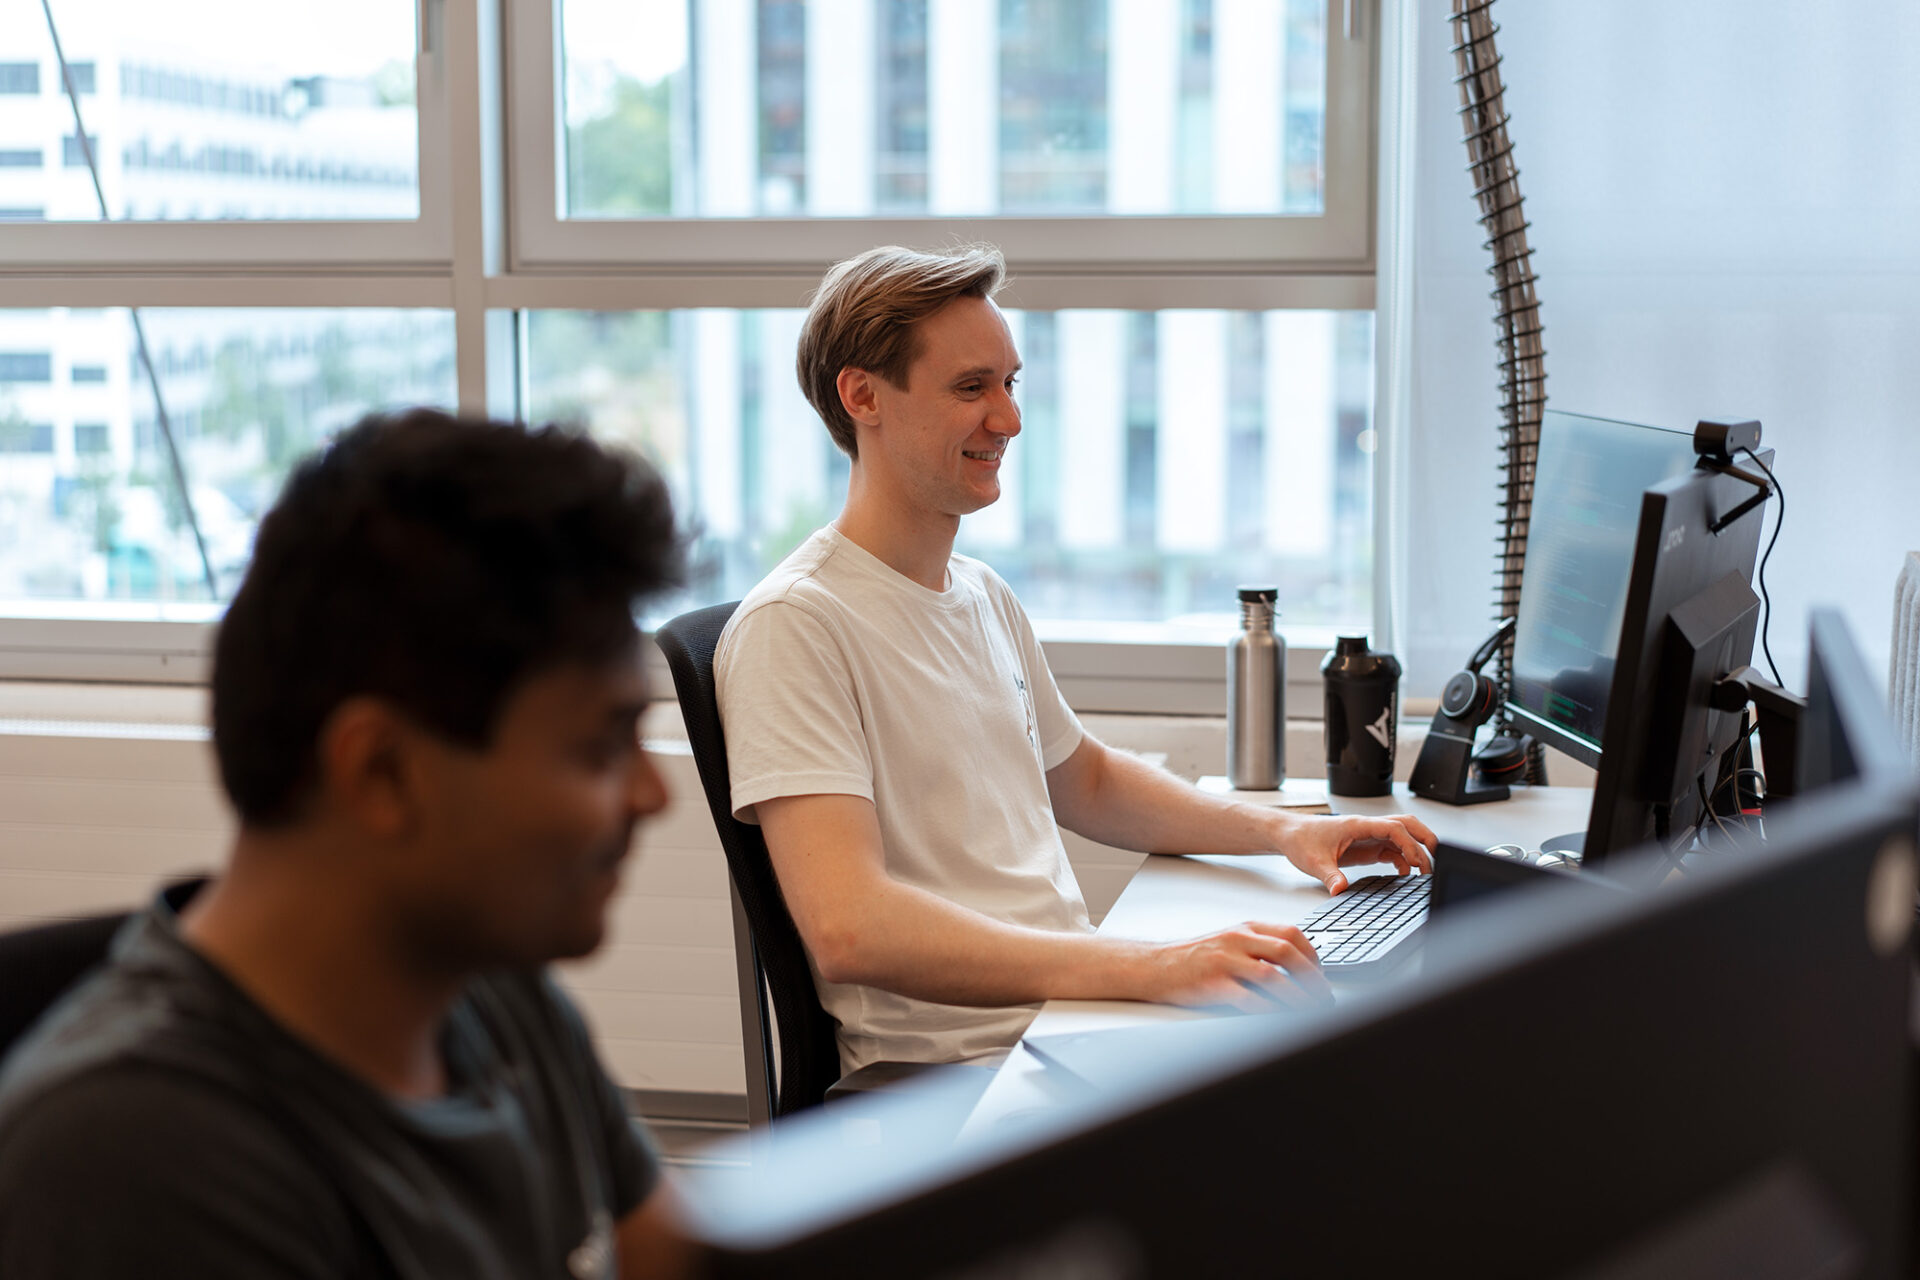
(892, 725)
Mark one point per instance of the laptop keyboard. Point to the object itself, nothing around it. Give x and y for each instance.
(1375, 915)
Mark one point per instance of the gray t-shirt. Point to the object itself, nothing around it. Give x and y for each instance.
(159, 1123)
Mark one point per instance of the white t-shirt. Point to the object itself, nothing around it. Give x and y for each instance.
(839, 676)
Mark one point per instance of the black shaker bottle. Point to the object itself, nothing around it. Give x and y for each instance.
(1363, 713)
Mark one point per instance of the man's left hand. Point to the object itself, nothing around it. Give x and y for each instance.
(1321, 845)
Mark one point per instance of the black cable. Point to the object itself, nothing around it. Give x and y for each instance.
(139, 330)
(1719, 821)
(1735, 775)
(1733, 779)
(1707, 814)
(1780, 518)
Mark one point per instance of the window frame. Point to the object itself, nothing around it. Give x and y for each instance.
(1157, 676)
(481, 250)
(149, 248)
(1323, 260)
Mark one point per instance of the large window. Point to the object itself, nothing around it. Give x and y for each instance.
(1164, 456)
(1080, 135)
(611, 211)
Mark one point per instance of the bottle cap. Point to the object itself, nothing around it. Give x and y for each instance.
(1347, 645)
(1254, 595)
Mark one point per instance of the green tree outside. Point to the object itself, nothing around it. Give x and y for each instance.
(620, 164)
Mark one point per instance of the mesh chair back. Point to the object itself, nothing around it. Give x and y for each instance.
(38, 964)
(809, 1055)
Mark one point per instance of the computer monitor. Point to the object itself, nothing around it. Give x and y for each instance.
(1714, 1075)
(1689, 618)
(1589, 475)
(1845, 731)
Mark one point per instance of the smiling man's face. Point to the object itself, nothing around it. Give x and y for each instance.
(941, 437)
(523, 840)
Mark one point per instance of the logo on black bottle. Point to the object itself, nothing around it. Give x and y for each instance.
(1382, 729)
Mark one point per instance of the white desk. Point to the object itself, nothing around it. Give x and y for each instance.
(1183, 897)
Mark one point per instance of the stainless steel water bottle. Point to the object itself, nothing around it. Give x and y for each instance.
(1256, 696)
(1363, 716)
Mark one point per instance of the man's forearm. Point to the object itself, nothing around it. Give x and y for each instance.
(862, 926)
(1125, 802)
(913, 942)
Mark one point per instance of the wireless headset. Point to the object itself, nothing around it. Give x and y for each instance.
(1468, 701)
(1470, 698)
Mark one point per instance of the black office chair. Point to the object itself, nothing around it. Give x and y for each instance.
(769, 957)
(40, 963)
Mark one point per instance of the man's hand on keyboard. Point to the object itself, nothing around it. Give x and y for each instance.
(1252, 966)
(1320, 845)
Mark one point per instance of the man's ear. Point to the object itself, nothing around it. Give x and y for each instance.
(369, 766)
(860, 395)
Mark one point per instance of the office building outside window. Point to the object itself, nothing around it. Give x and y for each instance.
(257, 118)
(19, 78)
(91, 509)
(1073, 107)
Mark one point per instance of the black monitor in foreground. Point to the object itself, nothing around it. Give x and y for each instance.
(1711, 1076)
(1844, 732)
(1589, 475)
(1689, 621)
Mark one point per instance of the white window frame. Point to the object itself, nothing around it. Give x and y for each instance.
(168, 649)
(1153, 676)
(1139, 262)
(488, 243)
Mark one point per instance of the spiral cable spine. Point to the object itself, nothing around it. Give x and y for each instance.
(1522, 364)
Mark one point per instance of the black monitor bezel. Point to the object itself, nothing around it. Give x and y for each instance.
(1844, 732)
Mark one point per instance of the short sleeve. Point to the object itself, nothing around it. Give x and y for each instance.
(790, 710)
(1059, 729)
(138, 1171)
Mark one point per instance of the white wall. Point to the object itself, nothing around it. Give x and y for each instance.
(94, 816)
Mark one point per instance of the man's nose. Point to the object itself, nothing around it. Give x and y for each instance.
(1005, 416)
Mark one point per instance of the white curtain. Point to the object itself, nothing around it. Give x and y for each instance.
(1725, 198)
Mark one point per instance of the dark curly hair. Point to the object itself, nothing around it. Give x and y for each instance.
(437, 563)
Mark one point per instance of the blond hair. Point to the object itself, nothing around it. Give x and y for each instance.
(863, 317)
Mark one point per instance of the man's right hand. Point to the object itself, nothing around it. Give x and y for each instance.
(1252, 966)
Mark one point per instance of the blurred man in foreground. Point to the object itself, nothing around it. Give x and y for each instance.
(343, 1056)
